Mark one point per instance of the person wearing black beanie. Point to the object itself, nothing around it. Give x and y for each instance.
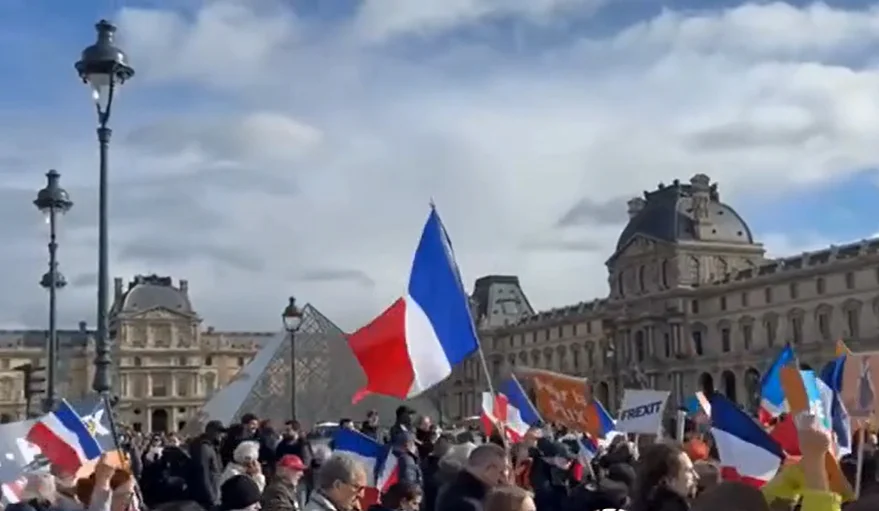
(239, 493)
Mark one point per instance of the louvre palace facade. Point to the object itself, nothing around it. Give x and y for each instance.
(166, 363)
(693, 304)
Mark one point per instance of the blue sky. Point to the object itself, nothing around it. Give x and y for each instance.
(274, 147)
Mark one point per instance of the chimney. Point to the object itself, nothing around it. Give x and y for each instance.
(184, 286)
(117, 288)
(635, 204)
(83, 326)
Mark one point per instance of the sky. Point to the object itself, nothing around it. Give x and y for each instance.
(267, 148)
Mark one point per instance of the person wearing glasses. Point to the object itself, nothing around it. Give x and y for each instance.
(339, 485)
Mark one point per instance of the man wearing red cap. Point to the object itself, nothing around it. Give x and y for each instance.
(282, 494)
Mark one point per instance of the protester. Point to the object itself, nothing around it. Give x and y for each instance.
(432, 478)
(246, 430)
(665, 479)
(405, 449)
(509, 498)
(400, 497)
(486, 468)
(206, 466)
(339, 485)
(403, 418)
(294, 442)
(370, 425)
(239, 493)
(281, 494)
(245, 461)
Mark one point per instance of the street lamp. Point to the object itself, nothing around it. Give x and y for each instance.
(292, 318)
(611, 355)
(52, 201)
(104, 67)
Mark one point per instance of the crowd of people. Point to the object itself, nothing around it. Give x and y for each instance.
(252, 465)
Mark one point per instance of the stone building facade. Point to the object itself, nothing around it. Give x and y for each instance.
(165, 364)
(693, 303)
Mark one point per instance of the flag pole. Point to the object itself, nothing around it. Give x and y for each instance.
(124, 456)
(491, 390)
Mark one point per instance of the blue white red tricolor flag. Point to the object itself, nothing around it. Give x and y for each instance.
(698, 408)
(747, 453)
(772, 400)
(601, 424)
(509, 408)
(64, 438)
(414, 344)
(379, 461)
(840, 422)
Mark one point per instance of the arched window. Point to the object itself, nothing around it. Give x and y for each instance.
(665, 274)
(642, 279)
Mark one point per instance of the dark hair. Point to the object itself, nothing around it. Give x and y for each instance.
(293, 424)
(656, 463)
(731, 495)
(505, 498)
(344, 421)
(248, 417)
(179, 505)
(400, 492)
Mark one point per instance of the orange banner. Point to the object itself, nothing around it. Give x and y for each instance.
(798, 401)
(560, 398)
(842, 349)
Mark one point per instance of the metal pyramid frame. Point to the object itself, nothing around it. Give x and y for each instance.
(327, 377)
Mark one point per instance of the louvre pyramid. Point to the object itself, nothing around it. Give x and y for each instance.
(327, 376)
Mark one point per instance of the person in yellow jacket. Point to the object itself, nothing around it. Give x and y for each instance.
(808, 479)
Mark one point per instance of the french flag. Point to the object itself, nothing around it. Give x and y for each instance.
(511, 409)
(831, 377)
(600, 423)
(772, 400)
(698, 408)
(64, 438)
(588, 449)
(747, 453)
(379, 461)
(414, 344)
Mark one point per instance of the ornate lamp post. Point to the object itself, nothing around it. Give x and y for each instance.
(52, 201)
(292, 317)
(104, 67)
(610, 354)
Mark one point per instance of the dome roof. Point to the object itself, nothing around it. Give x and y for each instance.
(667, 214)
(147, 292)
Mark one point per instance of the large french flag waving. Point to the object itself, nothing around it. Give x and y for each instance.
(747, 453)
(509, 408)
(414, 344)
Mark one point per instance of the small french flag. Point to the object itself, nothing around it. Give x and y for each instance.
(64, 438)
(379, 461)
(414, 344)
(747, 452)
(772, 399)
(510, 408)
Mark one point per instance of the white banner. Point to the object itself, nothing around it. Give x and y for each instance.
(641, 412)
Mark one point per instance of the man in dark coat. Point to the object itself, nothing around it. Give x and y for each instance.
(405, 449)
(247, 429)
(206, 466)
(487, 467)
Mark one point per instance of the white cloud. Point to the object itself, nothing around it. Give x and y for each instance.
(304, 161)
(378, 20)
